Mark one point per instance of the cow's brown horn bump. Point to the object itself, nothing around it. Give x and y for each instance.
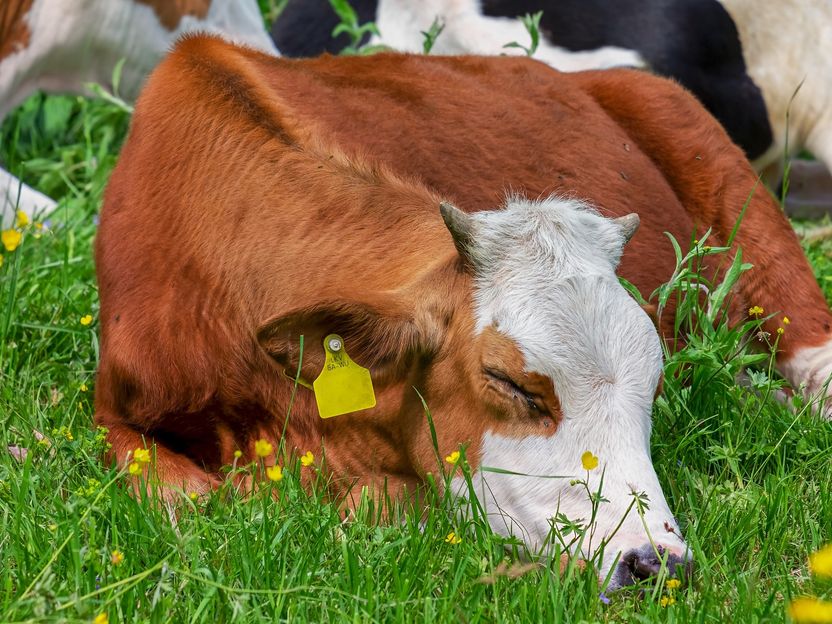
(461, 226)
(629, 224)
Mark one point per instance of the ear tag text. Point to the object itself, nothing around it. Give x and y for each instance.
(343, 386)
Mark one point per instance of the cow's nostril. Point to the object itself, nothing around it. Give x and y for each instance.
(645, 562)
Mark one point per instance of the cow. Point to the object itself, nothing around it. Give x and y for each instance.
(754, 66)
(367, 197)
(61, 45)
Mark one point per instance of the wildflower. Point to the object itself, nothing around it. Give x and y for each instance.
(116, 557)
(101, 618)
(22, 219)
(238, 454)
(780, 331)
(453, 458)
(453, 538)
(52, 528)
(92, 487)
(274, 473)
(667, 601)
(810, 611)
(141, 456)
(263, 448)
(135, 468)
(755, 311)
(11, 239)
(86, 320)
(307, 459)
(821, 561)
(193, 496)
(83, 387)
(589, 461)
(603, 598)
(673, 584)
(786, 320)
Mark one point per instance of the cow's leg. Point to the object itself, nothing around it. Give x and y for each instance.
(33, 203)
(174, 474)
(713, 181)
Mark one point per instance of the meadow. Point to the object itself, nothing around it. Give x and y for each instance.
(749, 477)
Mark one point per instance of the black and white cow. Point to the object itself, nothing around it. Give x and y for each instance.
(744, 59)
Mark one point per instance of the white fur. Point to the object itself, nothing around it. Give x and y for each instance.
(811, 367)
(785, 44)
(31, 202)
(74, 42)
(467, 31)
(546, 278)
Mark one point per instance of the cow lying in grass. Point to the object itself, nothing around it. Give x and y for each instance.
(250, 207)
(743, 59)
(61, 45)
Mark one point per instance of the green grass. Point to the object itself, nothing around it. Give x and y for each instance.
(749, 479)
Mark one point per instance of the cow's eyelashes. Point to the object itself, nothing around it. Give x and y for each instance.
(515, 390)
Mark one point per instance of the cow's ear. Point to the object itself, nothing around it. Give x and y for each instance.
(382, 337)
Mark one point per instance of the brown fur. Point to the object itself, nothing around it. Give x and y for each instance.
(14, 33)
(254, 231)
(171, 12)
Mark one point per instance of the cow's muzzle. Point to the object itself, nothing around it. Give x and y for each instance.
(645, 562)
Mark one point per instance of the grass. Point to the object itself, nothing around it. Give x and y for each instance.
(749, 478)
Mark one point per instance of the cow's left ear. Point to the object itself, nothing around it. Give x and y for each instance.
(382, 337)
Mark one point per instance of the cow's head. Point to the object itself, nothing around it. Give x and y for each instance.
(526, 349)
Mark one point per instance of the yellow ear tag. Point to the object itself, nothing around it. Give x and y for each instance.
(343, 386)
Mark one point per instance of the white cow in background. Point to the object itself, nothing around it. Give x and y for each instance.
(61, 45)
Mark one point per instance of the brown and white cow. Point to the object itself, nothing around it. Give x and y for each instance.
(258, 200)
(61, 45)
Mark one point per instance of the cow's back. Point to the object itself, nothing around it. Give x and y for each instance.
(476, 129)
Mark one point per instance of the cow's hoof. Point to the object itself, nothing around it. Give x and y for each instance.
(645, 562)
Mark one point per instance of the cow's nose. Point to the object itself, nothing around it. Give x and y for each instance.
(642, 563)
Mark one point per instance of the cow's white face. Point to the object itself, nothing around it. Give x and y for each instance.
(545, 279)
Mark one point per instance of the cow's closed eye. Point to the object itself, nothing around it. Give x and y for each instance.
(505, 385)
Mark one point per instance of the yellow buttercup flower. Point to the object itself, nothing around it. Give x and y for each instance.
(453, 458)
(821, 561)
(193, 496)
(116, 557)
(810, 611)
(135, 468)
(786, 320)
(85, 320)
(453, 538)
(141, 455)
(22, 219)
(274, 473)
(667, 601)
(589, 461)
(11, 239)
(307, 459)
(263, 448)
(780, 331)
(83, 387)
(673, 584)
(101, 618)
(755, 311)
(238, 454)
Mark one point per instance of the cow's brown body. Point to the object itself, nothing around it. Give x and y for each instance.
(240, 216)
